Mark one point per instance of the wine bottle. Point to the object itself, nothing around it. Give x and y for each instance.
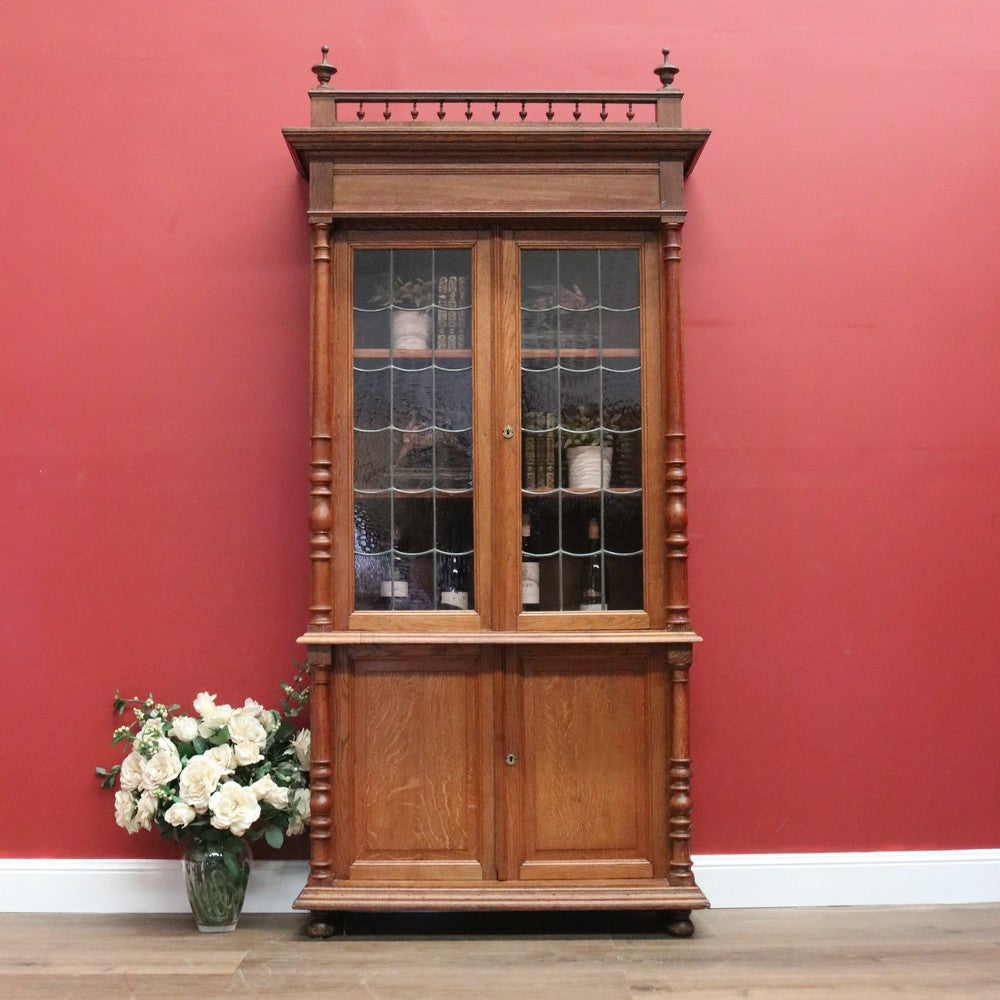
(454, 582)
(592, 596)
(530, 591)
(395, 587)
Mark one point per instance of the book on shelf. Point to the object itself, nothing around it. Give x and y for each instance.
(540, 450)
(463, 313)
(530, 471)
(452, 311)
(441, 319)
(549, 450)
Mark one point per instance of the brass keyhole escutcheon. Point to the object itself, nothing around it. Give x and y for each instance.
(510, 760)
(508, 431)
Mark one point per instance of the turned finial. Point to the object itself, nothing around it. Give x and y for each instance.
(324, 70)
(666, 72)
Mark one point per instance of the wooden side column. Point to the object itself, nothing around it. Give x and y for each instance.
(676, 470)
(679, 800)
(320, 660)
(321, 441)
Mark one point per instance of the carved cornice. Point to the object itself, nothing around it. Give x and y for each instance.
(424, 142)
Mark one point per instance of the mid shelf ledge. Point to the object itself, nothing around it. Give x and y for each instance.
(497, 638)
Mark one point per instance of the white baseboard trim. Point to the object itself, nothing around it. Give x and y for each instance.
(878, 878)
(883, 878)
(131, 885)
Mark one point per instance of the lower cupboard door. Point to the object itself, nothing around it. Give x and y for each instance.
(585, 743)
(413, 775)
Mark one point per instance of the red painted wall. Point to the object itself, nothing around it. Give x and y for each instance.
(843, 361)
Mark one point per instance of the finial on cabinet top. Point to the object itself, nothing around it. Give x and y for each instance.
(324, 70)
(667, 71)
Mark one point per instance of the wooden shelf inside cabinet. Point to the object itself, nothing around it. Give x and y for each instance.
(471, 750)
(579, 352)
(428, 494)
(572, 491)
(384, 353)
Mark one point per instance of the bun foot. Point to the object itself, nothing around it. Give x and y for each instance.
(324, 925)
(678, 923)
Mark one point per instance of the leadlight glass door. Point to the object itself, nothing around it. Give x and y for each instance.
(584, 316)
(414, 348)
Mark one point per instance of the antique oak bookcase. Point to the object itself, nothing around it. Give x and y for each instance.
(499, 631)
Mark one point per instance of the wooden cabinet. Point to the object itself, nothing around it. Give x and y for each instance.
(499, 629)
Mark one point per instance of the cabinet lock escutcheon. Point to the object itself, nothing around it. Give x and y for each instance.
(508, 431)
(510, 760)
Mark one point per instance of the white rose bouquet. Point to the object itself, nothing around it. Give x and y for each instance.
(223, 772)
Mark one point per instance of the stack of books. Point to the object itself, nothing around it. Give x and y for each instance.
(452, 327)
(540, 450)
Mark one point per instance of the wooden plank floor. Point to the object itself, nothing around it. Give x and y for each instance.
(906, 953)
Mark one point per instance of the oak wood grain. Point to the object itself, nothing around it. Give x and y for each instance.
(546, 894)
(342, 423)
(430, 188)
(507, 367)
(420, 731)
(501, 638)
(418, 142)
(321, 442)
(652, 442)
(585, 803)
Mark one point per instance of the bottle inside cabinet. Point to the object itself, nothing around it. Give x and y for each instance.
(593, 596)
(454, 577)
(530, 569)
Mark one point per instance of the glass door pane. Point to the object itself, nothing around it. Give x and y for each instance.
(413, 512)
(581, 469)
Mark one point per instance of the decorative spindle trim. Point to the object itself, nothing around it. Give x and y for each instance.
(679, 791)
(675, 467)
(550, 114)
(666, 72)
(387, 114)
(441, 111)
(321, 535)
(468, 110)
(630, 114)
(414, 111)
(320, 661)
(576, 112)
(524, 111)
(604, 111)
(321, 442)
(323, 70)
(496, 110)
(361, 111)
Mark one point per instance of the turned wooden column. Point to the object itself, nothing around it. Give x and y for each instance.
(679, 804)
(320, 660)
(676, 470)
(321, 441)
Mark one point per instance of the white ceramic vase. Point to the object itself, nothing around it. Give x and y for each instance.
(589, 466)
(411, 329)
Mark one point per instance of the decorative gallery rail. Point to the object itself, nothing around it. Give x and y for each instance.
(395, 106)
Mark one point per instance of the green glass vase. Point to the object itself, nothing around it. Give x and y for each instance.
(216, 874)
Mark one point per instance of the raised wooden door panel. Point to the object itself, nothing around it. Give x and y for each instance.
(585, 796)
(416, 765)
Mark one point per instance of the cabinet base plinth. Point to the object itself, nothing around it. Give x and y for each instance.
(652, 895)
